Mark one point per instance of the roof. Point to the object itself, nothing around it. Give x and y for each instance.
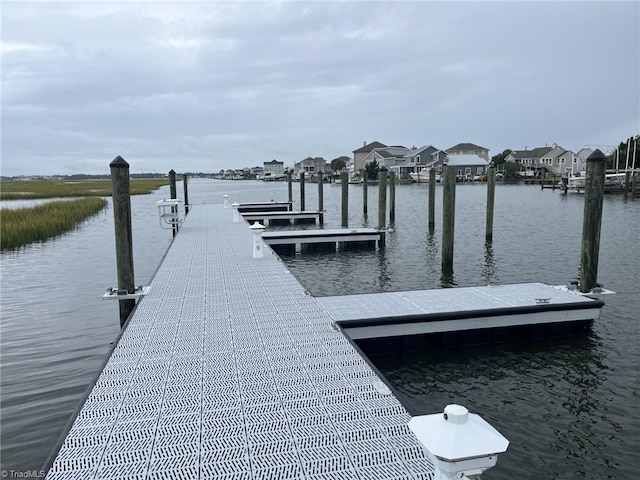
(419, 150)
(465, 159)
(273, 162)
(367, 148)
(466, 146)
(533, 153)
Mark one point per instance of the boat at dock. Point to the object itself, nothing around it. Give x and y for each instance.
(575, 182)
(423, 176)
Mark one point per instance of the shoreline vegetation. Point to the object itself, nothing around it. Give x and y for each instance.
(23, 226)
(36, 189)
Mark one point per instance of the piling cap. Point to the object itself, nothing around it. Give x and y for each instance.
(119, 162)
(256, 227)
(457, 435)
(597, 156)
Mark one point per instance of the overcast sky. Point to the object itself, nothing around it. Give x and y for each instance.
(206, 85)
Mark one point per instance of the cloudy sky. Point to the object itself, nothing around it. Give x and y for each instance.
(205, 85)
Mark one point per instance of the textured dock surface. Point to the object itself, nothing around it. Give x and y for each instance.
(228, 370)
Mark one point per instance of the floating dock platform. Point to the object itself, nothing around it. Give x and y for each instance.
(418, 312)
(229, 369)
(324, 240)
(285, 217)
(265, 207)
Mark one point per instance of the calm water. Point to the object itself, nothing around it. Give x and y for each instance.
(568, 407)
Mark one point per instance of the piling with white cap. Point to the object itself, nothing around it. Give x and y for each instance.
(257, 230)
(236, 213)
(459, 443)
(226, 200)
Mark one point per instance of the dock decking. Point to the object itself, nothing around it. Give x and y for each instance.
(417, 312)
(228, 370)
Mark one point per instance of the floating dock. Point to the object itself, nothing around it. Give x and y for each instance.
(265, 207)
(229, 369)
(329, 239)
(285, 217)
(418, 312)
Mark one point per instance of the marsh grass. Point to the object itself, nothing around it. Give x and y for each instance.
(19, 227)
(34, 189)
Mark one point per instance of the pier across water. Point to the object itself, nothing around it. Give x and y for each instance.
(228, 369)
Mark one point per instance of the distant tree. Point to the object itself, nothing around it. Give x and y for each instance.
(500, 158)
(622, 156)
(371, 170)
(338, 164)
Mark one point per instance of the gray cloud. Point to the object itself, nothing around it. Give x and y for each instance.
(201, 86)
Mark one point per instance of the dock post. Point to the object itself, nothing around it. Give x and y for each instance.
(593, 199)
(392, 197)
(491, 193)
(365, 180)
(344, 179)
(382, 198)
(320, 193)
(627, 183)
(448, 219)
(236, 213)
(174, 196)
(124, 237)
(302, 191)
(186, 194)
(432, 200)
(226, 200)
(289, 188)
(257, 230)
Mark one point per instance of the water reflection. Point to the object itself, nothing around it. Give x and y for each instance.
(554, 385)
(489, 272)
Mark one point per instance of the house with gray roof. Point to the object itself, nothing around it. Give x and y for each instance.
(469, 149)
(419, 158)
(467, 165)
(360, 153)
(530, 160)
(394, 158)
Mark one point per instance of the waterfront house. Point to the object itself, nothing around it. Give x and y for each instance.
(529, 160)
(469, 149)
(274, 167)
(360, 153)
(421, 157)
(310, 166)
(468, 165)
(394, 158)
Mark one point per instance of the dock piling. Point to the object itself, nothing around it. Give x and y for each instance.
(365, 180)
(174, 196)
(448, 219)
(432, 200)
(382, 198)
(344, 178)
(593, 199)
(236, 213)
(257, 230)
(392, 197)
(186, 194)
(289, 187)
(226, 200)
(321, 193)
(302, 191)
(491, 192)
(124, 237)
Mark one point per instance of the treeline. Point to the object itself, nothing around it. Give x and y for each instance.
(627, 154)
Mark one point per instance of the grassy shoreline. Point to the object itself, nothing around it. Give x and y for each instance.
(35, 189)
(22, 226)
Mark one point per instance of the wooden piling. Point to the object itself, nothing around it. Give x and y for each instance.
(593, 199)
(321, 195)
(627, 183)
(432, 200)
(392, 197)
(382, 198)
(302, 191)
(491, 193)
(124, 238)
(289, 187)
(448, 219)
(174, 195)
(365, 181)
(345, 198)
(186, 194)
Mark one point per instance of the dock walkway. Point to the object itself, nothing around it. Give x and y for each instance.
(229, 370)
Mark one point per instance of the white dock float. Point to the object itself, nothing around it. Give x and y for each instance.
(265, 207)
(337, 236)
(391, 314)
(291, 217)
(228, 370)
